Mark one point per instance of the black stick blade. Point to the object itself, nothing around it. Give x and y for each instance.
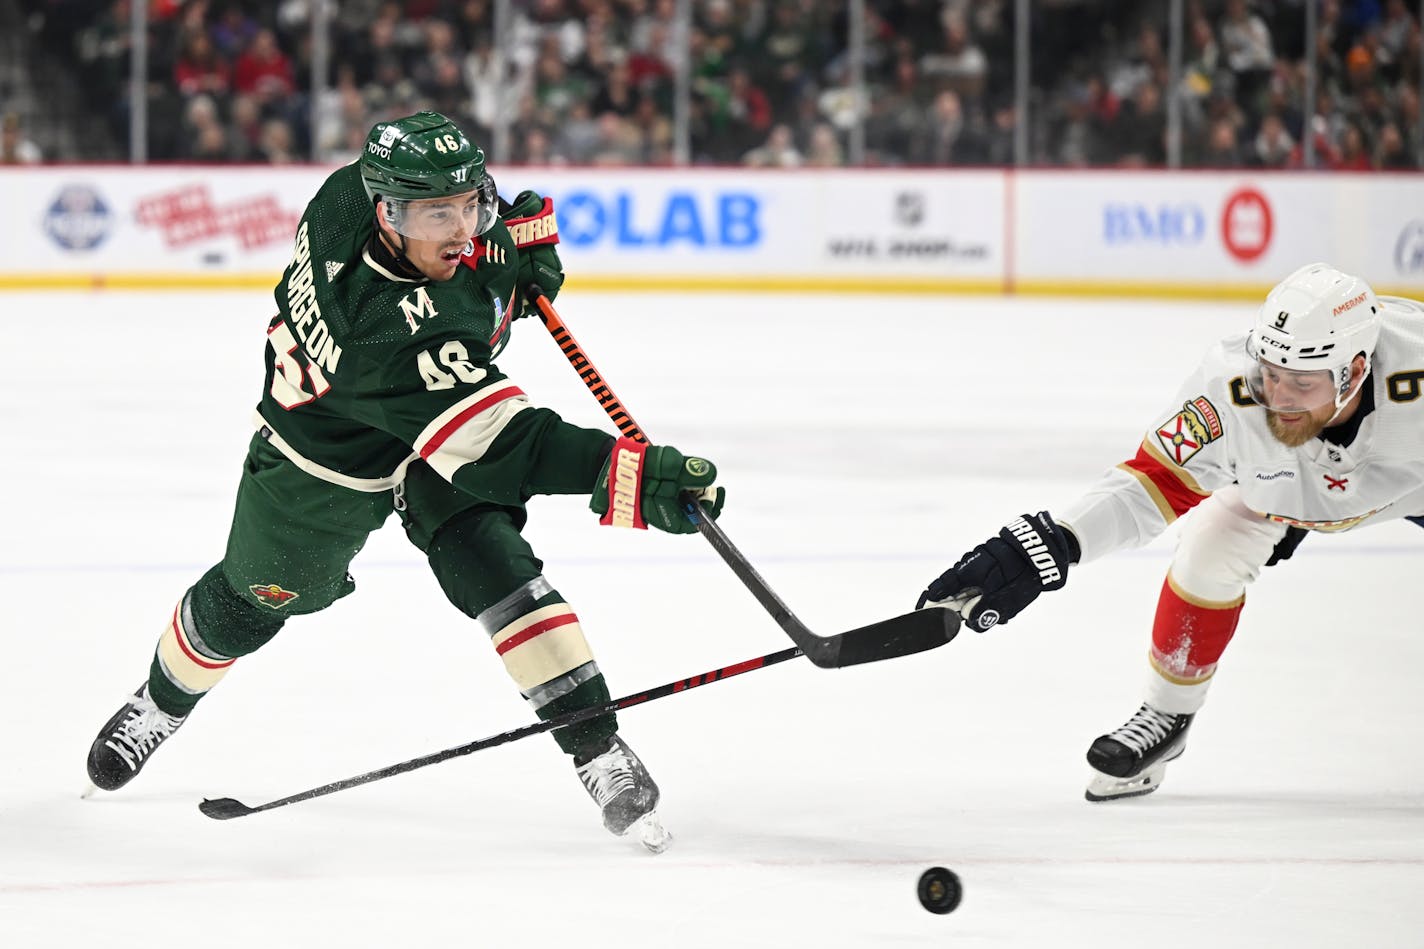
(898, 636)
(225, 808)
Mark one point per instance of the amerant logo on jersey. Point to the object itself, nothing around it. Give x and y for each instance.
(1197, 425)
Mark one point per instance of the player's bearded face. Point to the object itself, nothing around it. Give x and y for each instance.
(1298, 404)
(1295, 429)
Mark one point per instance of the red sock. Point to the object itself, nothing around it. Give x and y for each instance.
(1189, 634)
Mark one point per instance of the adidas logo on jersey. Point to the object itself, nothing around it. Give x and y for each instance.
(333, 267)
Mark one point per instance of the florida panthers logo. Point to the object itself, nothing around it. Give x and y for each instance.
(1190, 430)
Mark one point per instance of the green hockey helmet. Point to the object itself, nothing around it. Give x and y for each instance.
(430, 178)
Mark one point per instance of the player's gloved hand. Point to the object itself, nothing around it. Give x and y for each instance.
(996, 580)
(1287, 545)
(531, 222)
(640, 484)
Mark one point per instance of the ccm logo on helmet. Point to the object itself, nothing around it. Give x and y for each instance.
(1348, 305)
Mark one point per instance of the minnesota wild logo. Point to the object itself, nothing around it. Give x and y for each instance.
(269, 594)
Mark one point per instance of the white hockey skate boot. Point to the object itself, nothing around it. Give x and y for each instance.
(625, 792)
(1131, 760)
(128, 740)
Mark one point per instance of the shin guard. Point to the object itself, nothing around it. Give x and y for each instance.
(1188, 637)
(184, 666)
(538, 637)
(1222, 549)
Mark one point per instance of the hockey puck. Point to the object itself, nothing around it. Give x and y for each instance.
(939, 890)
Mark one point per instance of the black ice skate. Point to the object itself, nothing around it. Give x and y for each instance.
(128, 740)
(1131, 760)
(626, 793)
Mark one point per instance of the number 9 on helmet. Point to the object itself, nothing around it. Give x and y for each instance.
(428, 178)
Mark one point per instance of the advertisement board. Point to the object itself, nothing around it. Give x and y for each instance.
(1195, 232)
(109, 225)
(873, 230)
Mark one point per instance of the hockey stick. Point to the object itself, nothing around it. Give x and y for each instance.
(887, 639)
(226, 808)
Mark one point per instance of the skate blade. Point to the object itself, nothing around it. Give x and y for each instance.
(649, 831)
(88, 791)
(1105, 787)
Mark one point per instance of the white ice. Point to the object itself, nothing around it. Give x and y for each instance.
(865, 442)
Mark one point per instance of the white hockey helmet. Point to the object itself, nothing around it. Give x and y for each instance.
(1314, 321)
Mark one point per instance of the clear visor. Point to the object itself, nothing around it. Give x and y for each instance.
(453, 220)
(1288, 391)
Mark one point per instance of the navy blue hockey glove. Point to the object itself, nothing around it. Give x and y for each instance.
(1287, 545)
(994, 582)
(531, 222)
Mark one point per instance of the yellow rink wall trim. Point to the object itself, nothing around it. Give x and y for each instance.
(732, 283)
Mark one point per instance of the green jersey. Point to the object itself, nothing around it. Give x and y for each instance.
(369, 370)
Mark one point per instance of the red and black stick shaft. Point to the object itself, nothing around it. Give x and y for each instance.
(226, 808)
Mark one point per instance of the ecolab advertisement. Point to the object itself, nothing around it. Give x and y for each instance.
(881, 231)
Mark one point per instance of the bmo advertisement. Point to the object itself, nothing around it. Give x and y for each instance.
(1172, 233)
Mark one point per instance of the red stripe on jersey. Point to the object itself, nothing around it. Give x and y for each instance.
(192, 656)
(450, 427)
(1177, 493)
(543, 626)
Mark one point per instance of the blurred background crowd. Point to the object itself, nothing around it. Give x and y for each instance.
(764, 82)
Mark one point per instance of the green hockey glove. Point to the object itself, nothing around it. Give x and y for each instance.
(644, 486)
(535, 230)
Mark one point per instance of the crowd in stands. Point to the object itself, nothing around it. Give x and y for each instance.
(592, 82)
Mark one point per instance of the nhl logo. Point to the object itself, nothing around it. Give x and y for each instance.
(910, 208)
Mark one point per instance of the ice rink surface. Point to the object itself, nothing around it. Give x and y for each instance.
(865, 443)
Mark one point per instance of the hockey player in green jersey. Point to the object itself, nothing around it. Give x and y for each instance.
(382, 395)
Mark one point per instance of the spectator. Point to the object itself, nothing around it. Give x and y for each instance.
(201, 69)
(1222, 149)
(1390, 154)
(1353, 156)
(1246, 43)
(778, 151)
(204, 139)
(15, 148)
(941, 140)
(1273, 146)
(1077, 136)
(1141, 131)
(277, 144)
(233, 32)
(825, 148)
(263, 70)
(615, 93)
(656, 132)
(789, 47)
(895, 114)
(244, 132)
(959, 65)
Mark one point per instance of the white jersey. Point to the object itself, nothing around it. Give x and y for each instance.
(1213, 435)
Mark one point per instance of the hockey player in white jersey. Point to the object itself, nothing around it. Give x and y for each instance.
(1312, 421)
